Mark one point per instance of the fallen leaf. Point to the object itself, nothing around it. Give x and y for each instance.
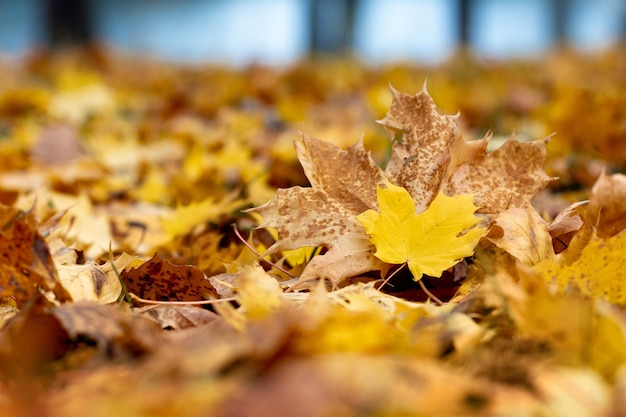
(420, 158)
(160, 280)
(94, 282)
(508, 177)
(26, 266)
(348, 176)
(186, 217)
(523, 234)
(115, 332)
(258, 293)
(607, 204)
(565, 226)
(321, 221)
(599, 271)
(30, 340)
(429, 242)
(177, 317)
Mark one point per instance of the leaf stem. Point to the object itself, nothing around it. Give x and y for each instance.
(430, 294)
(256, 252)
(392, 275)
(125, 294)
(198, 302)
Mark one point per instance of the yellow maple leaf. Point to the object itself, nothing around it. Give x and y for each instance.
(186, 217)
(429, 242)
(599, 272)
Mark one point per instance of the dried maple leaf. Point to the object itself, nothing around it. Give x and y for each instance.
(420, 158)
(429, 242)
(343, 186)
(160, 280)
(508, 177)
(431, 155)
(348, 176)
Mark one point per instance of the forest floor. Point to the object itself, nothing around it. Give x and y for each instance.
(324, 239)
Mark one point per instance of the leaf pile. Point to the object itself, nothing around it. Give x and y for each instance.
(164, 251)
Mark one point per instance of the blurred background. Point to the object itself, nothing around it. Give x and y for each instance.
(277, 32)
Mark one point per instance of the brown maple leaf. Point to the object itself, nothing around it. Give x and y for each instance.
(420, 158)
(508, 177)
(433, 156)
(343, 186)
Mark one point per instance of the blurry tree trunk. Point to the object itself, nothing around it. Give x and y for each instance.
(560, 13)
(331, 25)
(68, 22)
(465, 22)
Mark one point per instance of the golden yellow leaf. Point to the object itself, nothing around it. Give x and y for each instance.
(186, 217)
(258, 293)
(429, 242)
(599, 272)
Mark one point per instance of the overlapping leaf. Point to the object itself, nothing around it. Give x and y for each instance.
(343, 186)
(429, 242)
(428, 156)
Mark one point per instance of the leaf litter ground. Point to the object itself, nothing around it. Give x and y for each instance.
(166, 251)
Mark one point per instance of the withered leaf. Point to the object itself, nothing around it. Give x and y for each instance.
(508, 177)
(607, 205)
(31, 339)
(310, 217)
(177, 317)
(523, 234)
(111, 329)
(565, 226)
(348, 176)
(160, 280)
(343, 185)
(25, 262)
(95, 282)
(420, 159)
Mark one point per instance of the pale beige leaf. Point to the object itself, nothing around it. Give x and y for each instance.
(93, 282)
(607, 205)
(523, 234)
